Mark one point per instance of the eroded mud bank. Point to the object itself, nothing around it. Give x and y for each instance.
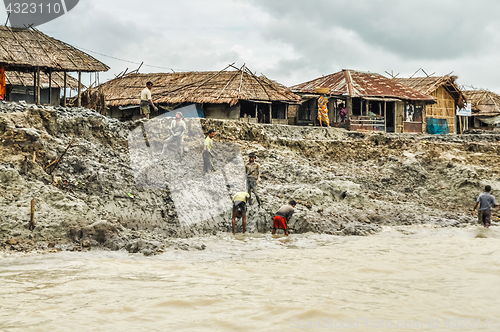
(101, 195)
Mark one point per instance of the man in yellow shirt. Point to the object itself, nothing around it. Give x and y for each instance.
(240, 209)
(146, 100)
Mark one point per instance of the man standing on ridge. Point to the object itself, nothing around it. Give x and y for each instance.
(208, 165)
(252, 169)
(177, 129)
(146, 100)
(240, 210)
(486, 201)
(281, 218)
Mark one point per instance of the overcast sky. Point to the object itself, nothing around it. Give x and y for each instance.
(290, 41)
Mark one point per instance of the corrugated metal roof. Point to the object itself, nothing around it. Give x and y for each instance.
(361, 84)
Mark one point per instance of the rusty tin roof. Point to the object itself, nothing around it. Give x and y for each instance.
(361, 84)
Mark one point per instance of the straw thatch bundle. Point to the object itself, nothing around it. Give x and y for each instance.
(26, 79)
(225, 86)
(27, 48)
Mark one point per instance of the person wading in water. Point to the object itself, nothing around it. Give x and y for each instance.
(486, 202)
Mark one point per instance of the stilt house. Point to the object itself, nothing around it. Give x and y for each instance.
(29, 50)
(19, 86)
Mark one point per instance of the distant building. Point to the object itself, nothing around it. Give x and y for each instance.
(235, 94)
(374, 102)
(448, 97)
(485, 109)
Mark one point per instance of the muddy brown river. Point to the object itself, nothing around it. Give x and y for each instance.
(402, 279)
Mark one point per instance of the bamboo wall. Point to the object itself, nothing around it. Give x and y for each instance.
(444, 108)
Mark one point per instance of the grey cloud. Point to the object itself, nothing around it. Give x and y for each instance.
(421, 29)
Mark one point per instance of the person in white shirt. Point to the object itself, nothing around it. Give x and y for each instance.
(146, 100)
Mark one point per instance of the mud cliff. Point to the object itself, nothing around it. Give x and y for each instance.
(98, 182)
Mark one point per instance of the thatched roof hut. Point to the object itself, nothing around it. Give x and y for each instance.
(483, 102)
(430, 84)
(447, 94)
(208, 87)
(27, 48)
(485, 107)
(236, 89)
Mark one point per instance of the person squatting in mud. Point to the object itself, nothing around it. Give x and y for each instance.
(146, 100)
(177, 130)
(240, 210)
(281, 218)
(486, 202)
(252, 169)
(208, 153)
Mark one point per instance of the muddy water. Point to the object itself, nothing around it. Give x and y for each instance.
(418, 277)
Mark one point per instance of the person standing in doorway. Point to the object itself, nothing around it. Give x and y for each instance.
(252, 169)
(343, 112)
(486, 202)
(281, 218)
(208, 153)
(146, 100)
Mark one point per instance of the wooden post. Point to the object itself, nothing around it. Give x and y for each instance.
(50, 87)
(286, 111)
(38, 85)
(385, 116)
(64, 92)
(270, 113)
(32, 215)
(79, 104)
(367, 107)
(34, 86)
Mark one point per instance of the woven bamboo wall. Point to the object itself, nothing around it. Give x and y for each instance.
(443, 109)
